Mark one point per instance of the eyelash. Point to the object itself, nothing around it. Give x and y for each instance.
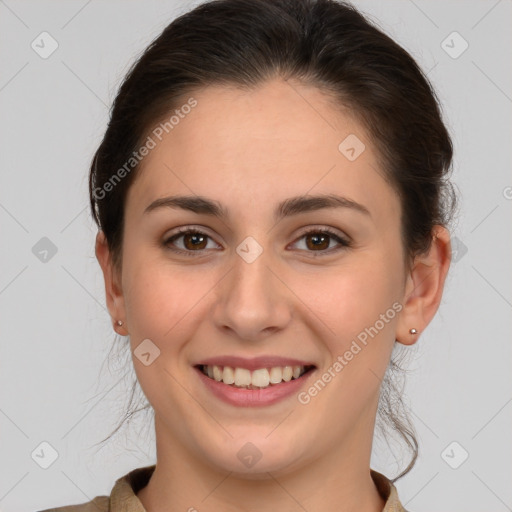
(344, 243)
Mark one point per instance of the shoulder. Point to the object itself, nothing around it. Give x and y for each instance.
(122, 498)
(388, 492)
(98, 504)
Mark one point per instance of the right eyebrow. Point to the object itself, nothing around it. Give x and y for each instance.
(288, 207)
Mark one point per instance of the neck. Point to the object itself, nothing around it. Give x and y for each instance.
(336, 481)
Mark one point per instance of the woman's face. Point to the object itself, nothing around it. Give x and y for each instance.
(253, 284)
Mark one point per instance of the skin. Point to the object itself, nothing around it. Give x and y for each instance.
(249, 151)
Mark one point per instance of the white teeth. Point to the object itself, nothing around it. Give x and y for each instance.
(242, 377)
(276, 375)
(217, 373)
(260, 378)
(228, 376)
(287, 373)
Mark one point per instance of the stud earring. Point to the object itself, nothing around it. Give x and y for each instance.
(119, 322)
(413, 331)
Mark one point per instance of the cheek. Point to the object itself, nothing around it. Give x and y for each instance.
(358, 304)
(164, 303)
(150, 300)
(352, 296)
(161, 297)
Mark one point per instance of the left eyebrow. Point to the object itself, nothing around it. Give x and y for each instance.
(302, 204)
(288, 207)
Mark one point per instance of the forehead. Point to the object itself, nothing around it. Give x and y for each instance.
(277, 140)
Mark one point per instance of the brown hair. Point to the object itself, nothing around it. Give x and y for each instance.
(325, 43)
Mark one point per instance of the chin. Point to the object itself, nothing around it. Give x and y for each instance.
(253, 457)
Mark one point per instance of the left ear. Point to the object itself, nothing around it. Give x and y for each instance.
(424, 287)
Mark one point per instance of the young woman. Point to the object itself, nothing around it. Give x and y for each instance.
(272, 205)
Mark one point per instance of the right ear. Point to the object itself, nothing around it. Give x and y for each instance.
(113, 288)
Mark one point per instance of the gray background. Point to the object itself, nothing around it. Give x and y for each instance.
(55, 384)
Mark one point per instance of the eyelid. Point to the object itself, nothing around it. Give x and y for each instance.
(342, 239)
(184, 230)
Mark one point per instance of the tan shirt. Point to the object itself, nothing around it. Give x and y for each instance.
(123, 497)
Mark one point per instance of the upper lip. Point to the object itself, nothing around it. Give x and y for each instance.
(253, 363)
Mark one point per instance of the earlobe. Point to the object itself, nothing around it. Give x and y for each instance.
(424, 287)
(113, 291)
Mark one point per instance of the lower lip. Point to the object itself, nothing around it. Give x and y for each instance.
(254, 397)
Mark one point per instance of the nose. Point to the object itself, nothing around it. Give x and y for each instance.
(252, 302)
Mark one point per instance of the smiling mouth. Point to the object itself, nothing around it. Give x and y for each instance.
(257, 379)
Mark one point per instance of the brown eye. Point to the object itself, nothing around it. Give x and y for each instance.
(194, 241)
(188, 241)
(319, 240)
